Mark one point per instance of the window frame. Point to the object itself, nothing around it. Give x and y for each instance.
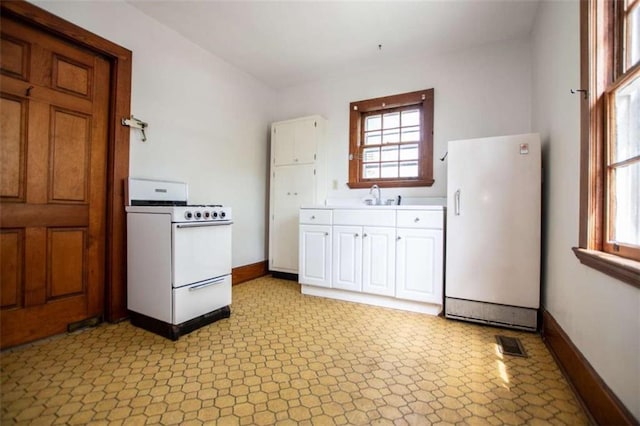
(360, 109)
(602, 69)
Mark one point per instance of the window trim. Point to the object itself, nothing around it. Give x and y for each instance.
(424, 98)
(595, 76)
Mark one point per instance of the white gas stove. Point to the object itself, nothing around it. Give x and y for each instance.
(179, 259)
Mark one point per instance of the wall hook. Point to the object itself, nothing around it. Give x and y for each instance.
(444, 156)
(136, 123)
(585, 92)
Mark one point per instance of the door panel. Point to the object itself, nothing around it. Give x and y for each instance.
(55, 109)
(11, 263)
(70, 143)
(13, 116)
(315, 255)
(378, 260)
(419, 265)
(347, 258)
(66, 274)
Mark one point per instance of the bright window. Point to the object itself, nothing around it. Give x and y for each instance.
(610, 134)
(391, 141)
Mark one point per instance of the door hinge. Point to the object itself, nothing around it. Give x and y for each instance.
(314, 172)
(274, 130)
(315, 124)
(314, 156)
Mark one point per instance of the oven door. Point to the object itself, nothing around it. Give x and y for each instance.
(201, 251)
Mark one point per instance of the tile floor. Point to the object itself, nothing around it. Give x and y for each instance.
(288, 359)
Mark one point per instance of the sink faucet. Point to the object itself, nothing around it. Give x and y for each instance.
(378, 200)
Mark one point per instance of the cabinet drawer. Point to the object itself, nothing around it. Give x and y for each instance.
(420, 219)
(315, 217)
(364, 217)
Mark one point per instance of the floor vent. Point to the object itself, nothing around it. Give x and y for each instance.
(511, 346)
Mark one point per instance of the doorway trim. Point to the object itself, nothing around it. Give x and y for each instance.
(115, 306)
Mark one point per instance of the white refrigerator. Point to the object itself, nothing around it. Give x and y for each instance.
(493, 231)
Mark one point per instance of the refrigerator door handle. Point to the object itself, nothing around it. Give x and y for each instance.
(456, 199)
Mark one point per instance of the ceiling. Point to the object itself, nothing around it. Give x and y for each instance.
(288, 43)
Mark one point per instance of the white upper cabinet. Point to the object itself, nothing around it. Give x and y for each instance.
(295, 141)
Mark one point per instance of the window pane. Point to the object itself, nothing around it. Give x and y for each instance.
(391, 136)
(371, 154)
(391, 120)
(409, 152)
(411, 118)
(409, 169)
(627, 110)
(627, 204)
(373, 138)
(371, 171)
(389, 170)
(411, 134)
(633, 37)
(373, 122)
(390, 153)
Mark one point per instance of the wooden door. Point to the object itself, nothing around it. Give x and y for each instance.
(53, 151)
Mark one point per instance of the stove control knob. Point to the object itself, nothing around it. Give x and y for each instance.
(222, 215)
(214, 215)
(198, 215)
(188, 215)
(206, 215)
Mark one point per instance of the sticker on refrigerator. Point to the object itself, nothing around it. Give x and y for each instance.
(524, 148)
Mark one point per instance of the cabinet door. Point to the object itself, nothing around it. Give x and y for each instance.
(294, 142)
(347, 258)
(306, 140)
(378, 260)
(291, 187)
(283, 139)
(315, 255)
(419, 265)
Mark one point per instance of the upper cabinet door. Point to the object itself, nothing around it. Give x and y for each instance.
(306, 141)
(283, 139)
(294, 142)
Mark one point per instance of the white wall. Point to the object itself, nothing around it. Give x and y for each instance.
(481, 92)
(208, 121)
(601, 315)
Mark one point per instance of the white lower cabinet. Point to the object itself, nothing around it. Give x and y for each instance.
(364, 259)
(347, 258)
(315, 255)
(381, 257)
(378, 261)
(419, 265)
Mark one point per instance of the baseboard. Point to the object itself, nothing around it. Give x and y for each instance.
(249, 272)
(604, 407)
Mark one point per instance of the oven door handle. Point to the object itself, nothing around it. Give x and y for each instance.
(206, 284)
(200, 224)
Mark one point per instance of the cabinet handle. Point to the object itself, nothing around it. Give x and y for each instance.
(417, 219)
(313, 217)
(326, 234)
(295, 193)
(288, 193)
(356, 235)
(364, 235)
(456, 200)
(399, 237)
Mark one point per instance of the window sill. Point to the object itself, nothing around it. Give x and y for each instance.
(626, 270)
(391, 184)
